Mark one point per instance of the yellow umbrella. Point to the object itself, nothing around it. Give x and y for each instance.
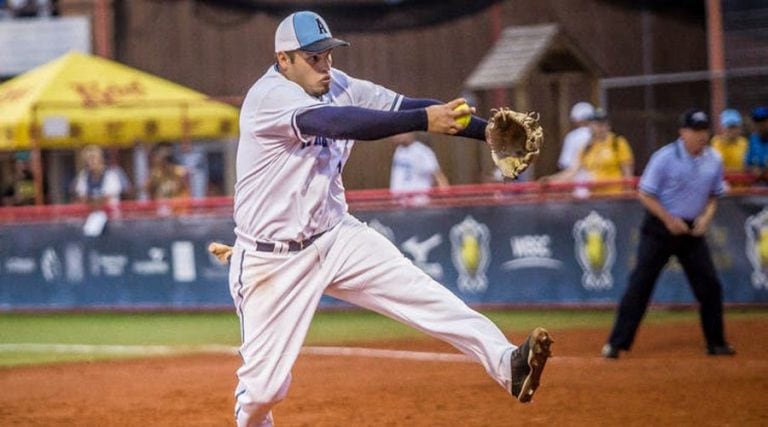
(80, 99)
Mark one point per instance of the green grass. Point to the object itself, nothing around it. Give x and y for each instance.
(328, 328)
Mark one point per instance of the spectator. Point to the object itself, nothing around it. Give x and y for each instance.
(195, 161)
(414, 166)
(167, 180)
(679, 189)
(757, 153)
(21, 190)
(95, 183)
(576, 139)
(730, 144)
(607, 156)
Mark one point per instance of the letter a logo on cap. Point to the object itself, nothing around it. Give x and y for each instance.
(307, 31)
(320, 27)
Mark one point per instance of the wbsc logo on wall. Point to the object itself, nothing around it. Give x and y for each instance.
(532, 251)
(595, 245)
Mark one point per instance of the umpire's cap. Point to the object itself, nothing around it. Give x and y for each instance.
(305, 31)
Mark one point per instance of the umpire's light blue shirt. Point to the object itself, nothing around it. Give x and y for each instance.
(682, 183)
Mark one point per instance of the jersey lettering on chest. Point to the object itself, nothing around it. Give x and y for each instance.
(318, 141)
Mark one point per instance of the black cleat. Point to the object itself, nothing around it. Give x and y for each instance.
(721, 350)
(610, 352)
(528, 362)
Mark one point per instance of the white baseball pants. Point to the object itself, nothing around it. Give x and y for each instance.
(276, 295)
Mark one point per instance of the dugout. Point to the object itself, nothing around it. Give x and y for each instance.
(537, 68)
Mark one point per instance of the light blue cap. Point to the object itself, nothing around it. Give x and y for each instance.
(730, 117)
(305, 31)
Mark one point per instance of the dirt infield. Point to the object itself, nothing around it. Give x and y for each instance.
(665, 380)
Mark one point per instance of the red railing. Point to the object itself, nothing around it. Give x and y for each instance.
(365, 200)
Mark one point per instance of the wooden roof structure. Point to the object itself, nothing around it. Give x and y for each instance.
(523, 50)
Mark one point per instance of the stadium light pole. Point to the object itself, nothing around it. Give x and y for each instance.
(102, 28)
(715, 50)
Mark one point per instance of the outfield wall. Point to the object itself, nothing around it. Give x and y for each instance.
(553, 252)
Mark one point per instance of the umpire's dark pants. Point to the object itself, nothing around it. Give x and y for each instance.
(657, 245)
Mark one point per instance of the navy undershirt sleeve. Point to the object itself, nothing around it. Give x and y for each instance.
(359, 123)
(475, 129)
(366, 124)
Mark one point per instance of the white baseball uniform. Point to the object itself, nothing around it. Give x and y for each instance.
(413, 168)
(289, 191)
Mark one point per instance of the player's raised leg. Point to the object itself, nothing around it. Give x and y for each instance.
(372, 273)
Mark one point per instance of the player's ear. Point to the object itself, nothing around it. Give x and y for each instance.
(282, 60)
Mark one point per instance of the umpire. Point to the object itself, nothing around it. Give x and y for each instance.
(679, 189)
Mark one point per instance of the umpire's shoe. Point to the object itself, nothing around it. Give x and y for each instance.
(528, 362)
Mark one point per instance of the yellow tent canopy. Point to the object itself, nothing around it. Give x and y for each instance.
(80, 99)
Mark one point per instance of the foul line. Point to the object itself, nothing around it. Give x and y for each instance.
(171, 350)
(127, 350)
(386, 354)
(140, 350)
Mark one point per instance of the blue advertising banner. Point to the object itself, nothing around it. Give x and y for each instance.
(549, 253)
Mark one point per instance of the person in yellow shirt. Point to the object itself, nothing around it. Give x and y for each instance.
(607, 156)
(731, 144)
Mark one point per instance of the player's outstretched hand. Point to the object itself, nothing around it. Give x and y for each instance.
(442, 118)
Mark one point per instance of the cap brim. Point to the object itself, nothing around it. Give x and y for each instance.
(323, 45)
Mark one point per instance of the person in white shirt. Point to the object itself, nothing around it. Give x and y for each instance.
(414, 166)
(579, 136)
(96, 183)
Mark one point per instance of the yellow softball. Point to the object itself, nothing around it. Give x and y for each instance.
(463, 120)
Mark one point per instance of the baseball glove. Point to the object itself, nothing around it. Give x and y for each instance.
(515, 139)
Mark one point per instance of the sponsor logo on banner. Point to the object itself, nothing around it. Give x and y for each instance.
(183, 255)
(20, 265)
(533, 251)
(50, 265)
(419, 251)
(73, 261)
(595, 241)
(156, 264)
(470, 253)
(756, 228)
(108, 265)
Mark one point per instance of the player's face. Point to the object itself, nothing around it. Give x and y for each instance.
(732, 132)
(311, 71)
(762, 127)
(695, 139)
(599, 129)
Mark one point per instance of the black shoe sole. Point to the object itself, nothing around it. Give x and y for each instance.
(539, 343)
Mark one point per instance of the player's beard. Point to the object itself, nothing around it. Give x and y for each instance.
(323, 86)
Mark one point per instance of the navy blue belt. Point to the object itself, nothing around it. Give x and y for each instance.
(293, 246)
